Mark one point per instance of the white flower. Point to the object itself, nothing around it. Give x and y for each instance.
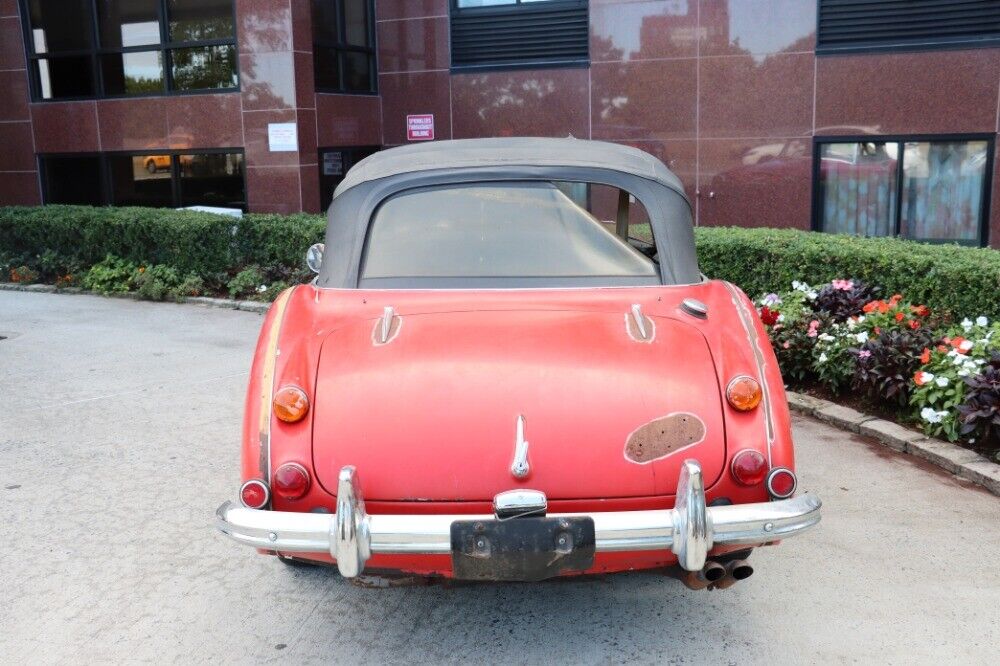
(862, 336)
(822, 357)
(966, 324)
(963, 373)
(930, 415)
(926, 377)
(826, 337)
(941, 381)
(261, 289)
(811, 295)
(781, 318)
(965, 345)
(982, 321)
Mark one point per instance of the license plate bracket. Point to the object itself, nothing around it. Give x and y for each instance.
(521, 549)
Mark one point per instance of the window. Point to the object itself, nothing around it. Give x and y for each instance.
(164, 179)
(506, 34)
(344, 46)
(119, 48)
(528, 233)
(932, 190)
(884, 25)
(334, 163)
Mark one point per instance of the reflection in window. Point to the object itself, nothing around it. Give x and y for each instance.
(140, 180)
(858, 188)
(143, 47)
(128, 23)
(156, 179)
(133, 73)
(200, 20)
(943, 189)
(334, 163)
(212, 180)
(922, 190)
(204, 67)
(344, 46)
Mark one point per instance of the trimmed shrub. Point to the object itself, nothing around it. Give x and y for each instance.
(962, 281)
(205, 244)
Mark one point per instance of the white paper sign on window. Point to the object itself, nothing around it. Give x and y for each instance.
(282, 137)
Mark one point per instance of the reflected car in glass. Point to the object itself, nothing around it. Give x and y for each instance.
(509, 367)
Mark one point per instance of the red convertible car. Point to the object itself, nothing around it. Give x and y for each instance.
(487, 380)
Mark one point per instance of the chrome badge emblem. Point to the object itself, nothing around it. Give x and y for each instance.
(520, 467)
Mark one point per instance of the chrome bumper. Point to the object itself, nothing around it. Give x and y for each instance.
(689, 530)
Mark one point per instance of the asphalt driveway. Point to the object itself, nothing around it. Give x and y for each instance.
(119, 426)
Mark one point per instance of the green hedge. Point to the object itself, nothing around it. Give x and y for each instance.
(964, 281)
(961, 280)
(192, 242)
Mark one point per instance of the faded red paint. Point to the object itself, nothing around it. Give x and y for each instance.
(429, 419)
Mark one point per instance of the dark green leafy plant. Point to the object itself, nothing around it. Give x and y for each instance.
(840, 302)
(247, 283)
(158, 282)
(885, 364)
(980, 413)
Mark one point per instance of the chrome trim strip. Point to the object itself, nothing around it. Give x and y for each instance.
(268, 380)
(520, 467)
(640, 323)
(690, 530)
(758, 354)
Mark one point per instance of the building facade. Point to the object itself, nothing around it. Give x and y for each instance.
(872, 117)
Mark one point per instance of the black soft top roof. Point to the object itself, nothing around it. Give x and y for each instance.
(521, 151)
(391, 172)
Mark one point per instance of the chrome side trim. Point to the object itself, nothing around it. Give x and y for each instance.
(517, 503)
(385, 324)
(695, 308)
(351, 536)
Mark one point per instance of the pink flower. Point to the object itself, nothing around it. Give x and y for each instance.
(787, 345)
(843, 285)
(813, 325)
(864, 353)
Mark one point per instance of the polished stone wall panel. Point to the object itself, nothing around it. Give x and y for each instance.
(644, 99)
(272, 189)
(348, 120)
(11, 44)
(745, 27)
(746, 96)
(65, 127)
(413, 46)
(929, 92)
(264, 26)
(255, 137)
(551, 102)
(204, 121)
(16, 147)
(132, 124)
(414, 93)
(20, 189)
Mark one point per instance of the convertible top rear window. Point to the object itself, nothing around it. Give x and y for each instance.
(508, 234)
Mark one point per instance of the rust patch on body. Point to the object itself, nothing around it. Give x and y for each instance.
(663, 436)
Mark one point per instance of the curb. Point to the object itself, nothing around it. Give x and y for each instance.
(961, 462)
(205, 301)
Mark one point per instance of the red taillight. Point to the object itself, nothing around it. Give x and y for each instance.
(749, 467)
(254, 494)
(291, 481)
(781, 482)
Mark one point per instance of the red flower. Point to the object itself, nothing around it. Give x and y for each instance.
(870, 306)
(878, 331)
(942, 348)
(899, 316)
(768, 316)
(918, 378)
(914, 324)
(920, 310)
(956, 342)
(925, 358)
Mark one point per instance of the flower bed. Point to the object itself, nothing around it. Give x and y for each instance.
(893, 355)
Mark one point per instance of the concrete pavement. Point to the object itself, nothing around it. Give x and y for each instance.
(119, 426)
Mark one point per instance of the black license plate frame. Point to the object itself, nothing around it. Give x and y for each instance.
(521, 549)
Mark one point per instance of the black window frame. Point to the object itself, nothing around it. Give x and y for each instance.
(107, 183)
(517, 10)
(165, 48)
(341, 46)
(816, 223)
(887, 44)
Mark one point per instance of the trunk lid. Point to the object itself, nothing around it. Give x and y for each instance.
(432, 414)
